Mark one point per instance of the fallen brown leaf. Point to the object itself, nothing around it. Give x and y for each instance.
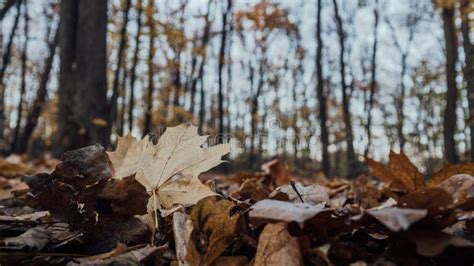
(277, 247)
(214, 229)
(280, 211)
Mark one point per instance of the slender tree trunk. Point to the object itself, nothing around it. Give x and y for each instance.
(400, 102)
(121, 117)
(351, 158)
(449, 123)
(133, 71)
(326, 167)
(204, 43)
(469, 67)
(122, 44)
(6, 6)
(220, 69)
(373, 81)
(5, 62)
(83, 112)
(24, 58)
(255, 107)
(202, 106)
(177, 79)
(151, 85)
(32, 118)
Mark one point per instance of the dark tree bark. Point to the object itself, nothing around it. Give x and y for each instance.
(449, 122)
(349, 136)
(133, 71)
(151, 85)
(321, 94)
(221, 67)
(38, 104)
(121, 116)
(177, 79)
(122, 44)
(373, 81)
(202, 106)
(5, 62)
(83, 115)
(24, 58)
(404, 52)
(7, 5)
(469, 67)
(204, 42)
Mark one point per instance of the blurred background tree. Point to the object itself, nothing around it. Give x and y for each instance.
(320, 83)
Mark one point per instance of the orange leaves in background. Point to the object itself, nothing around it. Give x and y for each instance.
(402, 174)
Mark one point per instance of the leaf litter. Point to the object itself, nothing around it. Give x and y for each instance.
(145, 203)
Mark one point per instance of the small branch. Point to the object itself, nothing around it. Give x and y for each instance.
(293, 186)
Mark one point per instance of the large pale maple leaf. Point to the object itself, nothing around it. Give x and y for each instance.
(169, 170)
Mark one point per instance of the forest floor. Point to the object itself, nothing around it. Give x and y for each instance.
(72, 212)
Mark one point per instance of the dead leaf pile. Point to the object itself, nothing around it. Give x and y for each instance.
(145, 204)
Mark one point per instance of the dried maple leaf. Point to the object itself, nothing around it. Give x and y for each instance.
(400, 172)
(168, 170)
(451, 170)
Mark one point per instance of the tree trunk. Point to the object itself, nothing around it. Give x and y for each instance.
(204, 42)
(151, 85)
(220, 69)
(349, 136)
(32, 118)
(325, 165)
(82, 118)
(177, 79)
(122, 44)
(133, 70)
(449, 122)
(469, 67)
(5, 62)
(6, 6)
(202, 106)
(121, 117)
(400, 102)
(373, 81)
(24, 55)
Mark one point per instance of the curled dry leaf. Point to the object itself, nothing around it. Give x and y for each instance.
(451, 170)
(430, 244)
(313, 194)
(33, 239)
(182, 228)
(177, 156)
(434, 200)
(398, 219)
(277, 247)
(459, 186)
(253, 189)
(400, 172)
(214, 229)
(278, 171)
(14, 165)
(29, 217)
(280, 211)
(120, 256)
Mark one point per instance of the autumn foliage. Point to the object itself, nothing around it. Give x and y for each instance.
(144, 203)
